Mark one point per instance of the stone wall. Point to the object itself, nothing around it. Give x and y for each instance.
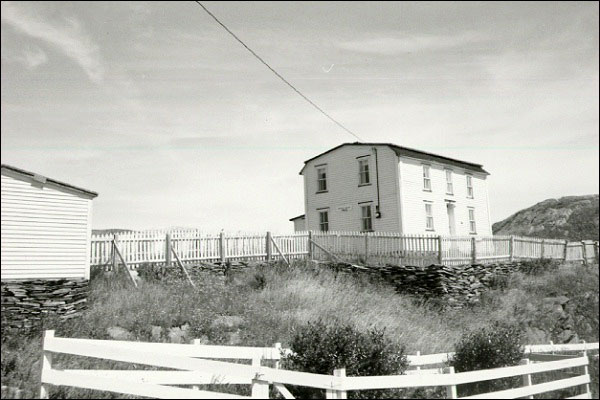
(455, 286)
(24, 303)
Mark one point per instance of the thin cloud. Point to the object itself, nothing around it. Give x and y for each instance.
(31, 58)
(68, 38)
(409, 43)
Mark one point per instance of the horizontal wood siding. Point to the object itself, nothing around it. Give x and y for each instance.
(413, 197)
(344, 193)
(45, 230)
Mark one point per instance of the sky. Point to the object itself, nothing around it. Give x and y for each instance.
(155, 107)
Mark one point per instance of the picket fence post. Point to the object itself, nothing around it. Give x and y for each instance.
(222, 253)
(440, 250)
(596, 255)
(527, 377)
(474, 250)
(584, 253)
(46, 365)
(543, 252)
(269, 247)
(511, 249)
(450, 390)
(309, 245)
(114, 253)
(168, 256)
(566, 249)
(366, 248)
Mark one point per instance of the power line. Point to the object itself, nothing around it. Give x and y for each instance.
(277, 73)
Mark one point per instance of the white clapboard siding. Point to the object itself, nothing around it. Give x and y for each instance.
(46, 229)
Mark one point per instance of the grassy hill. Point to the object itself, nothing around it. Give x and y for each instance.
(259, 307)
(572, 217)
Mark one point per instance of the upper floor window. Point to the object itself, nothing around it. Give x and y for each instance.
(321, 179)
(426, 178)
(469, 186)
(363, 172)
(429, 216)
(472, 226)
(449, 187)
(366, 219)
(324, 220)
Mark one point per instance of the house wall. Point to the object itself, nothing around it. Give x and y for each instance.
(299, 225)
(412, 198)
(344, 194)
(45, 230)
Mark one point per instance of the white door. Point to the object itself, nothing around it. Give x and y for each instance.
(451, 222)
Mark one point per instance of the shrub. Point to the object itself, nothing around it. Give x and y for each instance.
(495, 346)
(320, 348)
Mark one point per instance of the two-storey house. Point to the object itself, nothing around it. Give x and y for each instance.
(385, 187)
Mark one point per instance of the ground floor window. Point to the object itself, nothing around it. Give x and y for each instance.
(472, 226)
(324, 220)
(366, 219)
(429, 216)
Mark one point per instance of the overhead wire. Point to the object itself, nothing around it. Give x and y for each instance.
(278, 74)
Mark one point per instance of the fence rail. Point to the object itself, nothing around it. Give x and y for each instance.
(191, 366)
(373, 247)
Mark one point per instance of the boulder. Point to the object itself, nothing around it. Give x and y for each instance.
(118, 333)
(227, 322)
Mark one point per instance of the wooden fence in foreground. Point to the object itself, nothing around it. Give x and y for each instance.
(137, 248)
(191, 365)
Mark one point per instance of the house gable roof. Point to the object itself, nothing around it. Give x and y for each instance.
(45, 179)
(408, 152)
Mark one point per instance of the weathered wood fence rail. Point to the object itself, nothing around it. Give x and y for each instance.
(375, 247)
(192, 366)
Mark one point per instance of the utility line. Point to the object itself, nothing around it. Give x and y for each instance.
(277, 73)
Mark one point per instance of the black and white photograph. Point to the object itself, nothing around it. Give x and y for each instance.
(300, 199)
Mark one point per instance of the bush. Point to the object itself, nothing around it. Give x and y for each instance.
(495, 346)
(320, 348)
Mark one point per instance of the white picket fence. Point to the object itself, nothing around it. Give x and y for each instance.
(191, 365)
(374, 247)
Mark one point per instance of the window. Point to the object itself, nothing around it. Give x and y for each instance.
(426, 178)
(367, 222)
(472, 226)
(449, 188)
(363, 172)
(429, 216)
(321, 179)
(324, 220)
(469, 186)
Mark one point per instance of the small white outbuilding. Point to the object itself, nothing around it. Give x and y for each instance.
(46, 227)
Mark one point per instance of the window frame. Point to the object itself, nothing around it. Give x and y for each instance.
(321, 167)
(323, 211)
(364, 161)
(427, 178)
(472, 222)
(429, 216)
(449, 182)
(363, 218)
(470, 190)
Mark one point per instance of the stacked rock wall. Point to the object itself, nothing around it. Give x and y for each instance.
(455, 285)
(24, 303)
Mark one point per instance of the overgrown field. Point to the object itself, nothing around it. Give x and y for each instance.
(265, 305)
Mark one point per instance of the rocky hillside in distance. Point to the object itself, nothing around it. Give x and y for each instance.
(570, 217)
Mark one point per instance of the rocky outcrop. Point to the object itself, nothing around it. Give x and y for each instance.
(573, 218)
